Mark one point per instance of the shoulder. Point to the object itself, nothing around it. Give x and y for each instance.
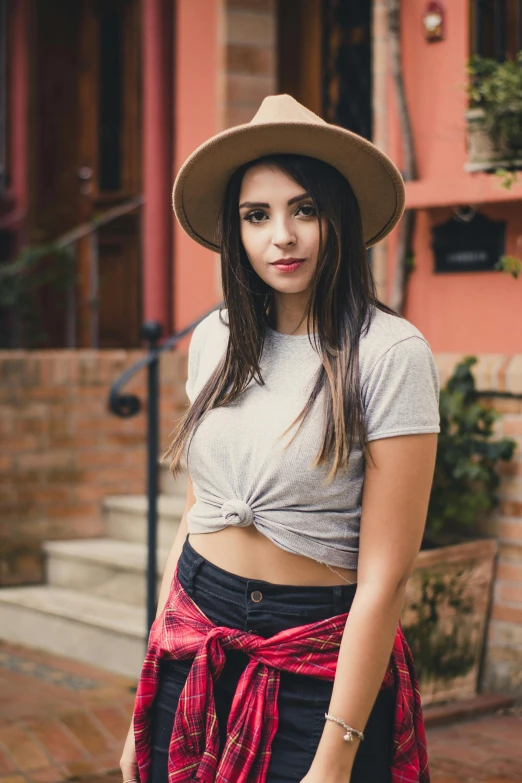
(211, 332)
(386, 329)
(399, 379)
(207, 345)
(217, 319)
(384, 333)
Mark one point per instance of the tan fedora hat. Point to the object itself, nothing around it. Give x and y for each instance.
(283, 125)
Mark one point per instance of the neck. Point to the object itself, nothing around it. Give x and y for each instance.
(287, 313)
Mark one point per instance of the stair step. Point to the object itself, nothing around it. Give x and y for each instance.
(102, 567)
(126, 518)
(105, 633)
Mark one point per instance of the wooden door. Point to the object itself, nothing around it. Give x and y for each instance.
(109, 168)
(300, 34)
(86, 156)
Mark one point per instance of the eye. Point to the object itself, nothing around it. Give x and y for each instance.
(307, 210)
(257, 216)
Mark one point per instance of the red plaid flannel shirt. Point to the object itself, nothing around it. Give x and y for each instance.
(182, 630)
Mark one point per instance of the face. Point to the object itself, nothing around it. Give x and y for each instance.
(279, 229)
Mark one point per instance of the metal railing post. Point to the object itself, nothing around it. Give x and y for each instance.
(151, 332)
(71, 303)
(94, 308)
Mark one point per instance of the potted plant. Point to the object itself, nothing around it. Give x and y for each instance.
(495, 116)
(448, 595)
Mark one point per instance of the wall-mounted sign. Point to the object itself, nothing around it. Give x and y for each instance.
(434, 21)
(468, 246)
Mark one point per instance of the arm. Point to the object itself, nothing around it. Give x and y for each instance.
(395, 502)
(175, 550)
(128, 758)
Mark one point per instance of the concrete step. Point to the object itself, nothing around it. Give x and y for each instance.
(102, 567)
(108, 634)
(125, 518)
(172, 486)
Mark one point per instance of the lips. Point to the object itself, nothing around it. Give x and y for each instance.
(287, 264)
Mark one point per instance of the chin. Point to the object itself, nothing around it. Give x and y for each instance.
(289, 288)
(288, 284)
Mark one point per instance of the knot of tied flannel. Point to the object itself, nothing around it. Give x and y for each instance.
(183, 631)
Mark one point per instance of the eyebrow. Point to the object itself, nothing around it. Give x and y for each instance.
(251, 204)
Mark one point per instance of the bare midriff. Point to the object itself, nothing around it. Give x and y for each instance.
(246, 552)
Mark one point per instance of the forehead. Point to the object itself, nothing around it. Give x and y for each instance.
(264, 177)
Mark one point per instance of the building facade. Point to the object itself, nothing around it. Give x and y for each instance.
(101, 102)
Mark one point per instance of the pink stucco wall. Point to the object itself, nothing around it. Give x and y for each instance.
(196, 119)
(468, 311)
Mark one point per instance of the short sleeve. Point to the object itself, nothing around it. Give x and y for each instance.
(401, 395)
(193, 361)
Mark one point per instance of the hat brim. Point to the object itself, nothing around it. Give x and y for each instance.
(201, 182)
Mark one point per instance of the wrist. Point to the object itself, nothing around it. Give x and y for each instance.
(333, 753)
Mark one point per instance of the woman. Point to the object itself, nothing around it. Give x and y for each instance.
(277, 653)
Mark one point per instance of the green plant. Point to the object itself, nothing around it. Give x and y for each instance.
(466, 475)
(442, 649)
(496, 88)
(22, 283)
(511, 265)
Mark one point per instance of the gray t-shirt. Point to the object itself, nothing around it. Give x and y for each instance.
(240, 472)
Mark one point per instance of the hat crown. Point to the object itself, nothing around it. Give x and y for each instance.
(284, 108)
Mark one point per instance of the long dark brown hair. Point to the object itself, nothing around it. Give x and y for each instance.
(342, 294)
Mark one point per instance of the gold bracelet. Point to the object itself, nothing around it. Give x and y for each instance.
(350, 731)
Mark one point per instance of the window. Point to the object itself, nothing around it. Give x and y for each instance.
(496, 27)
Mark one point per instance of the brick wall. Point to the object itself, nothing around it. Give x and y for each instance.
(503, 663)
(63, 452)
(248, 32)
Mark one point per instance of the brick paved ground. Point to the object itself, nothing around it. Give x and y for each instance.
(488, 749)
(61, 720)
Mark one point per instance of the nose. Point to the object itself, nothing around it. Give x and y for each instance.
(283, 234)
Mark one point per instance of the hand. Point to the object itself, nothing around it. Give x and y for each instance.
(323, 771)
(332, 762)
(128, 764)
(316, 776)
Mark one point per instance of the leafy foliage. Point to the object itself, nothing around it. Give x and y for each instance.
(466, 475)
(511, 265)
(496, 88)
(22, 282)
(441, 637)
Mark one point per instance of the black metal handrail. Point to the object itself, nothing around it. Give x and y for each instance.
(128, 405)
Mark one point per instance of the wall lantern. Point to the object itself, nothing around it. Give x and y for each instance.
(434, 21)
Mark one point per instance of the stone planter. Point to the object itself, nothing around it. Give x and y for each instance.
(482, 154)
(445, 617)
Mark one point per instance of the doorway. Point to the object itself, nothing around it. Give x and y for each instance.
(85, 98)
(325, 59)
